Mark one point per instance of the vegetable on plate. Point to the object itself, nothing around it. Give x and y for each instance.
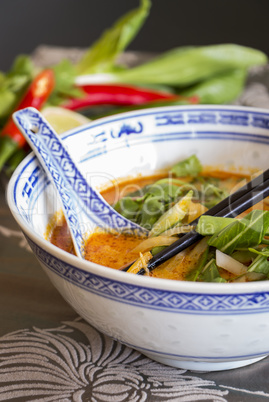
(116, 94)
(11, 139)
(184, 75)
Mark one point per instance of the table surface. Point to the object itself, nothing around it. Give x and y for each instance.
(48, 353)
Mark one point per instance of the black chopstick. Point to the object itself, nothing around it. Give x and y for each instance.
(245, 197)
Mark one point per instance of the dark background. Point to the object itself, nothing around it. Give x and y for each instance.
(24, 24)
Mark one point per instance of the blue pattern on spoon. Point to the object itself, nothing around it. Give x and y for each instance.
(81, 203)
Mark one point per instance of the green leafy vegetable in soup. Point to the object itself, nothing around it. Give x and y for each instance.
(232, 249)
(147, 205)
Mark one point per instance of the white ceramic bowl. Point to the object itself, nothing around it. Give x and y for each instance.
(199, 326)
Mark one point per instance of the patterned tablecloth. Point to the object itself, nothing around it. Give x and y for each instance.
(48, 353)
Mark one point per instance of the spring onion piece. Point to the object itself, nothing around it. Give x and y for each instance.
(173, 216)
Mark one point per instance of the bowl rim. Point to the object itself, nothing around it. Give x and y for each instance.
(161, 109)
(119, 276)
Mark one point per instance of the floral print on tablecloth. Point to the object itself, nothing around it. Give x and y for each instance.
(77, 363)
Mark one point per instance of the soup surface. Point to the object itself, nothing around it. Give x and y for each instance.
(179, 196)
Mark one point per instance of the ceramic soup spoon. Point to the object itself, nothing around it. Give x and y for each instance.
(82, 205)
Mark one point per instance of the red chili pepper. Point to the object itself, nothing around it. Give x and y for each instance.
(36, 95)
(120, 95)
(180, 100)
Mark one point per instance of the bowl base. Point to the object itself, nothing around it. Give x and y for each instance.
(203, 366)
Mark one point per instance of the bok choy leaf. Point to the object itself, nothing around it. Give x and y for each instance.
(226, 239)
(244, 233)
(211, 273)
(257, 222)
(222, 88)
(260, 265)
(188, 66)
(210, 225)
